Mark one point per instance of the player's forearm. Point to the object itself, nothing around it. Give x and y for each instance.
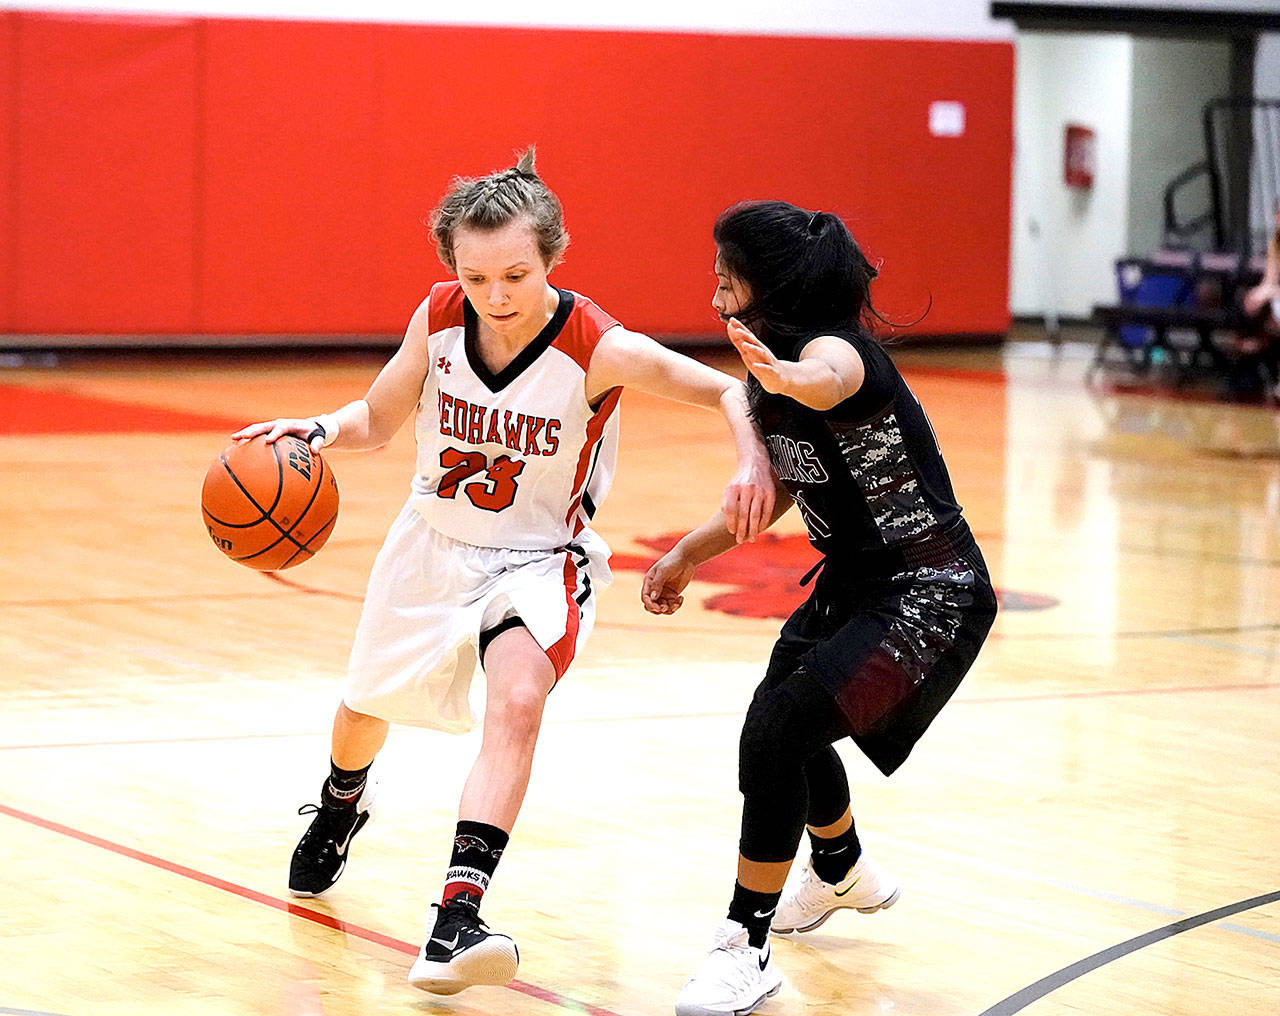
(813, 383)
(709, 540)
(713, 538)
(746, 440)
(354, 428)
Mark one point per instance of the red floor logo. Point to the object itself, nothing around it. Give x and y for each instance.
(765, 576)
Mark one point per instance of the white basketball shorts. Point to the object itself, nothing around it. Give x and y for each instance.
(430, 597)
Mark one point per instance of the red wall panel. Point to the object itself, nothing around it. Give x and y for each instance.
(646, 137)
(318, 150)
(8, 160)
(103, 238)
(938, 207)
(457, 102)
(291, 201)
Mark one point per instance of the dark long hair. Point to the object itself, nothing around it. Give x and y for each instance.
(806, 272)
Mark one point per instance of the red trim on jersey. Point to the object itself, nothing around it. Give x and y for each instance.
(561, 654)
(595, 431)
(581, 333)
(444, 306)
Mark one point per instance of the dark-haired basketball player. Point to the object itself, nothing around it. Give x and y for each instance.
(516, 386)
(900, 607)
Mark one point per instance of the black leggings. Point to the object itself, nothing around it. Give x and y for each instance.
(868, 659)
(788, 771)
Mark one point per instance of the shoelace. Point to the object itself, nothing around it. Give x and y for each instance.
(739, 966)
(463, 915)
(328, 824)
(812, 889)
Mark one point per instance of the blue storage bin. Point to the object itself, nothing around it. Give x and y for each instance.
(1151, 285)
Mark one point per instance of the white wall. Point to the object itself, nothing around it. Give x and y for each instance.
(1066, 78)
(1266, 85)
(1266, 67)
(1172, 80)
(941, 19)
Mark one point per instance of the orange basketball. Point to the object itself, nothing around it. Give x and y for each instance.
(269, 506)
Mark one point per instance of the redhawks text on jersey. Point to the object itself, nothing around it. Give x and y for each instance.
(516, 458)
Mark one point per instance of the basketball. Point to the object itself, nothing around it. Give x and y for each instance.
(269, 506)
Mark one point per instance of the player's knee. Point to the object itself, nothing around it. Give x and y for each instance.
(353, 720)
(517, 706)
(763, 757)
(785, 726)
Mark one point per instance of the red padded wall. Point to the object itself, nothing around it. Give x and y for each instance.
(292, 205)
(8, 160)
(103, 238)
(241, 176)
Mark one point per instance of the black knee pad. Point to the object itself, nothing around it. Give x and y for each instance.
(760, 745)
(785, 725)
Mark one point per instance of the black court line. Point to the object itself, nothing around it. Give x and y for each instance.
(1151, 633)
(1217, 557)
(25, 1012)
(1033, 992)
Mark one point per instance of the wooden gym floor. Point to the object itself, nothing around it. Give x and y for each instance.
(1090, 827)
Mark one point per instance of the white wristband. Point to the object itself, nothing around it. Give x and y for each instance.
(329, 424)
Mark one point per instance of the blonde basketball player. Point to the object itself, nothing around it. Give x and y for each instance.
(516, 385)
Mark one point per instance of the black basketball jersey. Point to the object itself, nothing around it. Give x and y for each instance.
(866, 474)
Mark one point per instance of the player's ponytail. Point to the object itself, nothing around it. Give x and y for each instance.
(490, 202)
(806, 273)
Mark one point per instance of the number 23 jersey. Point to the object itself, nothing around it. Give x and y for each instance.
(517, 458)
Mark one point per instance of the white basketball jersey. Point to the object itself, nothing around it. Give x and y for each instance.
(515, 459)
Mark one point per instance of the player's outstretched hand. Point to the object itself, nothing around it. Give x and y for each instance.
(764, 366)
(664, 582)
(276, 429)
(749, 498)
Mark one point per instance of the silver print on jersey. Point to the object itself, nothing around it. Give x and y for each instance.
(877, 458)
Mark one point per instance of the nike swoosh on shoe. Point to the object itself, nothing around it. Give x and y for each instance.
(850, 886)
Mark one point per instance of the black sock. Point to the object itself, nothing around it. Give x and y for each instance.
(753, 911)
(343, 787)
(833, 857)
(476, 850)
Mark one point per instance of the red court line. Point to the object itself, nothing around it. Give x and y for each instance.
(292, 909)
(52, 411)
(133, 601)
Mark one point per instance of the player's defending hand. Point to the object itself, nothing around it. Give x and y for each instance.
(276, 429)
(764, 366)
(664, 582)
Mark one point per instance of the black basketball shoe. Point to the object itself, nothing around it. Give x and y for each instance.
(321, 854)
(462, 951)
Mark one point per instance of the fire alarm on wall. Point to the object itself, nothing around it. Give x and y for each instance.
(1078, 156)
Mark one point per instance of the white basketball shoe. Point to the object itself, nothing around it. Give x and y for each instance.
(809, 902)
(733, 979)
